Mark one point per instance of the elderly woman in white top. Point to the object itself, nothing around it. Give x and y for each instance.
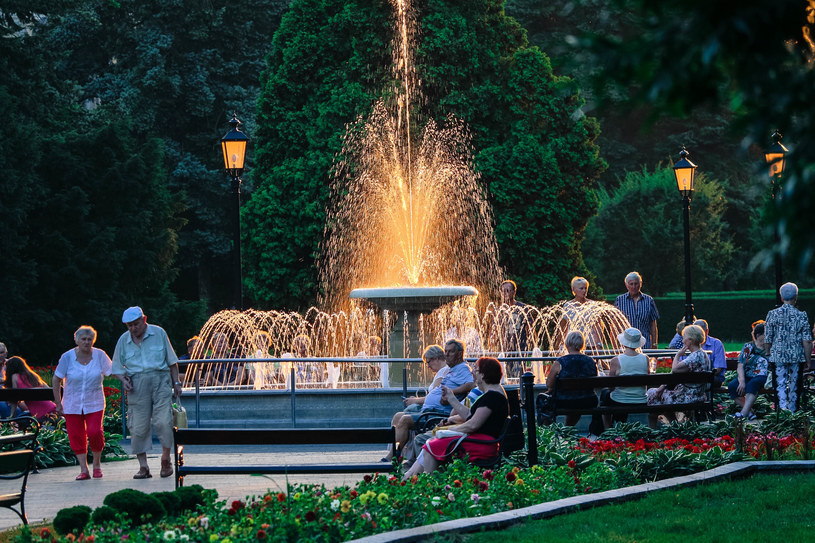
(81, 371)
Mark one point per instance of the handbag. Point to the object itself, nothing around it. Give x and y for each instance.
(179, 415)
(545, 406)
(444, 432)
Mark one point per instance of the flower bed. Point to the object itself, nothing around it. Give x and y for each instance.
(569, 465)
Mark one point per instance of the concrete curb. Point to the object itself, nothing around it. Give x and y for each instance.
(586, 501)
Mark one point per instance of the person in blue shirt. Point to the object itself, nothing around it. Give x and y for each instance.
(640, 309)
(458, 378)
(717, 356)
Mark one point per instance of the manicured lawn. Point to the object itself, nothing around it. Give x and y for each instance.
(765, 507)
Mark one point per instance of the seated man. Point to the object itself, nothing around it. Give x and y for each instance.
(717, 356)
(458, 378)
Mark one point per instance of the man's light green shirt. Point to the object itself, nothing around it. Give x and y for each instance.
(155, 352)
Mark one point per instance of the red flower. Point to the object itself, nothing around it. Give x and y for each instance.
(457, 483)
(237, 505)
(230, 512)
(354, 493)
(572, 464)
(281, 497)
(45, 533)
(510, 477)
(488, 475)
(310, 516)
(261, 534)
(367, 478)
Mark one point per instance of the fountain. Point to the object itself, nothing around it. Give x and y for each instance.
(408, 256)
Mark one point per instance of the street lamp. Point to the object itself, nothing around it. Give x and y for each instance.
(685, 171)
(233, 145)
(774, 157)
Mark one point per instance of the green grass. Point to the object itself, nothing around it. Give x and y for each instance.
(764, 507)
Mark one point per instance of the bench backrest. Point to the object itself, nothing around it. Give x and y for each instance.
(305, 436)
(650, 380)
(23, 394)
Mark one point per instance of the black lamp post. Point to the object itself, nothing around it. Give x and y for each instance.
(775, 158)
(233, 145)
(685, 171)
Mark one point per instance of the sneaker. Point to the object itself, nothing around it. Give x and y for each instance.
(738, 416)
(751, 416)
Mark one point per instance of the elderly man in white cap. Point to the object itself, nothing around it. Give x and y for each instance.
(146, 364)
(788, 343)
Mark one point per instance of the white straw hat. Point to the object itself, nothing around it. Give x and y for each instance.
(631, 338)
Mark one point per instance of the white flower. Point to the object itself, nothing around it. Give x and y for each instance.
(335, 505)
(475, 497)
(436, 500)
(204, 522)
(183, 537)
(169, 535)
(451, 497)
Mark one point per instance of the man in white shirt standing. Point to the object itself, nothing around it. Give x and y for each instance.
(146, 364)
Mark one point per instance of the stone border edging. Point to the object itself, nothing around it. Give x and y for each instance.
(584, 501)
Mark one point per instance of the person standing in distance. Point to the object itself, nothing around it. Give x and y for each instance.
(640, 309)
(146, 364)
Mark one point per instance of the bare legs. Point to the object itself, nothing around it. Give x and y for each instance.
(403, 424)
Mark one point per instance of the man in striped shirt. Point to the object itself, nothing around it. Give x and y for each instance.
(640, 309)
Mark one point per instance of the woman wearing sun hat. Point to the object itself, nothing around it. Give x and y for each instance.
(630, 362)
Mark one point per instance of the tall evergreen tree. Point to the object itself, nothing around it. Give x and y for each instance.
(533, 147)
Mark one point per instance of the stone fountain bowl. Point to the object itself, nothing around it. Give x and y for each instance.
(421, 299)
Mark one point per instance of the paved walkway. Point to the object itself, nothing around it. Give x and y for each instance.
(53, 489)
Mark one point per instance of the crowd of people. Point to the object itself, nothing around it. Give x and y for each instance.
(468, 402)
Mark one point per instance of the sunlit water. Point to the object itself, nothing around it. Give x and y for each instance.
(407, 209)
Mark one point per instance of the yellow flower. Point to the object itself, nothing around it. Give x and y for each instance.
(515, 470)
(345, 506)
(297, 496)
(519, 481)
(382, 498)
(213, 538)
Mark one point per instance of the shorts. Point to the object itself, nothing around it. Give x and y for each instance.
(752, 386)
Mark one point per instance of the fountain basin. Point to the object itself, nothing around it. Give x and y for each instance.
(418, 299)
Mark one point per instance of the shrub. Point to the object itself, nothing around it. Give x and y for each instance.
(72, 520)
(104, 514)
(191, 496)
(136, 506)
(170, 501)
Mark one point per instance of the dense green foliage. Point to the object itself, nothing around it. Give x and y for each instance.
(755, 62)
(112, 173)
(534, 149)
(640, 227)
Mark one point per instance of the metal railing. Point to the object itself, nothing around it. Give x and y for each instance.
(524, 357)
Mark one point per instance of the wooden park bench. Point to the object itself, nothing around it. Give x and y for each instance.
(26, 394)
(17, 460)
(295, 436)
(647, 380)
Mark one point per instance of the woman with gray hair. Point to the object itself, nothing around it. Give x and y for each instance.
(82, 402)
(575, 364)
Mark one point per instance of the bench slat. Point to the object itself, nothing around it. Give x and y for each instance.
(23, 394)
(309, 436)
(282, 470)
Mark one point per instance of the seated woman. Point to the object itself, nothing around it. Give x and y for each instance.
(753, 369)
(631, 362)
(20, 375)
(484, 420)
(573, 365)
(697, 360)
